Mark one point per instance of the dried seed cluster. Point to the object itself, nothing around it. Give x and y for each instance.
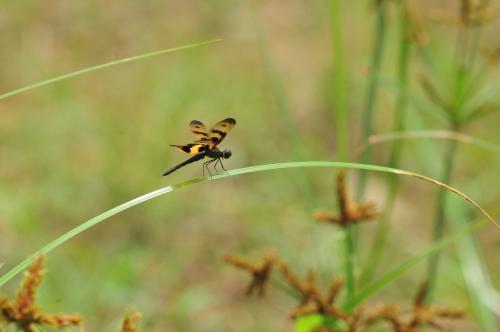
(313, 301)
(130, 322)
(350, 212)
(27, 316)
(24, 312)
(260, 271)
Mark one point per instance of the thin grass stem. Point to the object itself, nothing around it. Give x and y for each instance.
(439, 221)
(397, 147)
(102, 66)
(370, 103)
(430, 134)
(339, 79)
(373, 82)
(341, 116)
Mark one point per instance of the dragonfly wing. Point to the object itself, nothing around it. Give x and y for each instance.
(219, 131)
(198, 129)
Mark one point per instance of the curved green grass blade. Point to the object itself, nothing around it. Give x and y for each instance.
(92, 222)
(260, 168)
(102, 66)
(434, 134)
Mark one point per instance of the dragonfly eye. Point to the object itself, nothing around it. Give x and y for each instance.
(226, 153)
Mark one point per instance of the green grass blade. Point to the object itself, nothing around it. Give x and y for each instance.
(477, 280)
(339, 81)
(373, 85)
(260, 168)
(92, 222)
(339, 102)
(102, 66)
(373, 288)
(395, 154)
(433, 134)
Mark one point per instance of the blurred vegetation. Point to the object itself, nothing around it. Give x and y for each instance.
(78, 147)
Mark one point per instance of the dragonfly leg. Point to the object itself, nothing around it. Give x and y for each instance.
(221, 165)
(205, 165)
(215, 165)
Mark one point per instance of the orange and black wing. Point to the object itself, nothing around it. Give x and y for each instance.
(198, 129)
(219, 132)
(207, 140)
(201, 145)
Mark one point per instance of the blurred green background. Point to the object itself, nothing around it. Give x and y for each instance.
(74, 149)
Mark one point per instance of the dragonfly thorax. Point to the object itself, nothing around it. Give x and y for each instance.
(216, 153)
(226, 153)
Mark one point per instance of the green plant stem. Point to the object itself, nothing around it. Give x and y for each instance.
(341, 117)
(350, 260)
(439, 220)
(370, 101)
(371, 95)
(402, 101)
(459, 95)
(339, 79)
(397, 147)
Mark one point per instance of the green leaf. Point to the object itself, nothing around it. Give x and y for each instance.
(432, 94)
(309, 323)
(481, 102)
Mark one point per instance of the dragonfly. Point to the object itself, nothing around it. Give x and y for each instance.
(205, 145)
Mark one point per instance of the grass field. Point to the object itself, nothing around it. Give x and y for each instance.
(306, 81)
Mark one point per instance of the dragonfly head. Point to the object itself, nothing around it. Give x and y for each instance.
(226, 153)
